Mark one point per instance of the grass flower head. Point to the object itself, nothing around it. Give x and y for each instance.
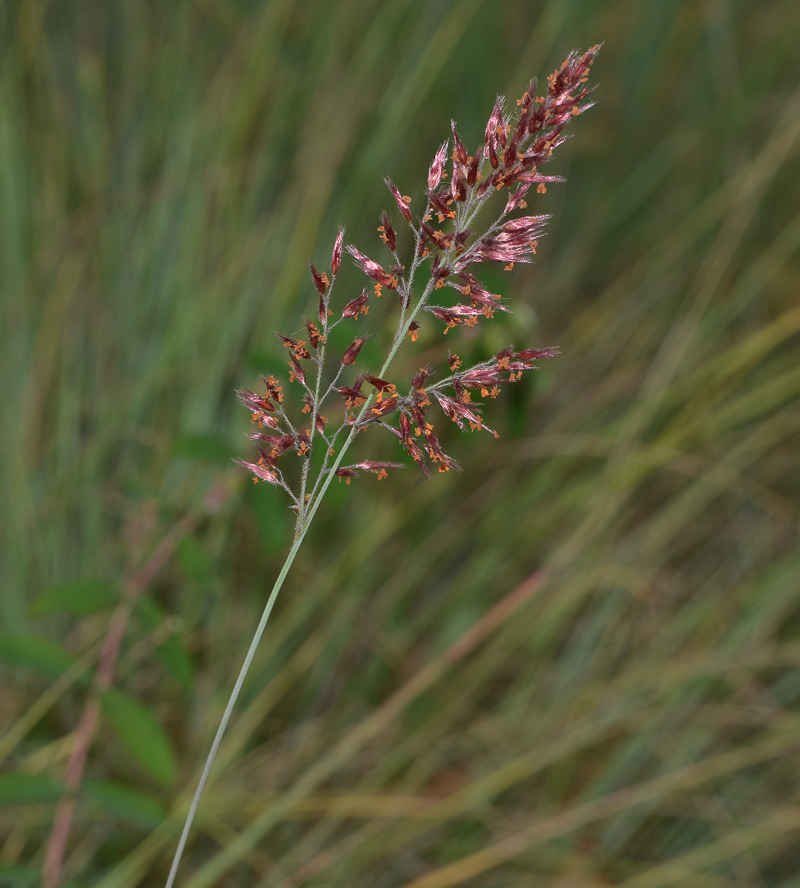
(448, 245)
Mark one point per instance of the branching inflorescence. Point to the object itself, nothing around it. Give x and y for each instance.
(513, 149)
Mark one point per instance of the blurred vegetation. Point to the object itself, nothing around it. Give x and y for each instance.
(576, 664)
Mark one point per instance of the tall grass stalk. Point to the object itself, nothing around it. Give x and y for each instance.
(512, 150)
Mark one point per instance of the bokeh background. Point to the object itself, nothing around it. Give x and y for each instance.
(575, 664)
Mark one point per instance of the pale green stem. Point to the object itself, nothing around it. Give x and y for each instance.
(251, 652)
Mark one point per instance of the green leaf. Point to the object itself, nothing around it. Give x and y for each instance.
(46, 657)
(125, 803)
(194, 560)
(150, 611)
(177, 662)
(171, 653)
(19, 875)
(77, 599)
(204, 448)
(142, 734)
(25, 789)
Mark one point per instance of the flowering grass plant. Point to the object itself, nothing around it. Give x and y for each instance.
(437, 284)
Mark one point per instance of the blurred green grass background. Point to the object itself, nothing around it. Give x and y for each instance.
(576, 664)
